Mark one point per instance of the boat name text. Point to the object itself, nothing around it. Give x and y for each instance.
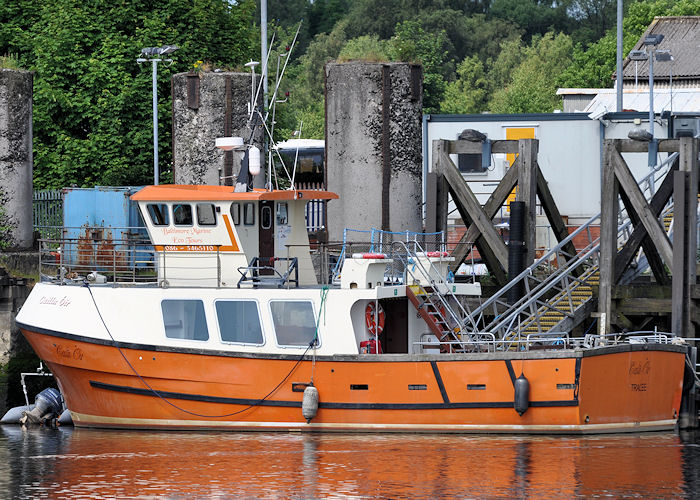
(66, 352)
(55, 301)
(640, 367)
(189, 230)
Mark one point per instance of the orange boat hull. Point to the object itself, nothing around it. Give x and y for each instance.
(614, 389)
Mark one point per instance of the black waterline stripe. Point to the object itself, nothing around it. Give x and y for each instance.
(438, 379)
(322, 404)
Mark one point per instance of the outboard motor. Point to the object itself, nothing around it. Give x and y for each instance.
(522, 394)
(48, 404)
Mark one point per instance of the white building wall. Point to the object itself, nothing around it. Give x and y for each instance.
(570, 154)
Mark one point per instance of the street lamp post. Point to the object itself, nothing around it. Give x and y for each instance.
(153, 54)
(650, 42)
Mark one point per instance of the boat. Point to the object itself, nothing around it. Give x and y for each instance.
(229, 318)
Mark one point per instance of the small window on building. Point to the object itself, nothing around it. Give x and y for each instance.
(158, 213)
(182, 215)
(282, 216)
(206, 214)
(266, 217)
(470, 164)
(236, 213)
(249, 214)
(184, 319)
(294, 322)
(239, 321)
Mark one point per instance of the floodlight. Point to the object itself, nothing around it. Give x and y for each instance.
(653, 39)
(638, 55)
(664, 55)
(168, 49)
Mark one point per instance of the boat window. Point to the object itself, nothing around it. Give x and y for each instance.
(266, 217)
(249, 214)
(239, 321)
(184, 319)
(182, 215)
(158, 213)
(236, 213)
(206, 214)
(282, 214)
(294, 322)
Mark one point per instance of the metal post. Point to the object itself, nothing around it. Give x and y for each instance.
(651, 93)
(652, 148)
(155, 121)
(619, 56)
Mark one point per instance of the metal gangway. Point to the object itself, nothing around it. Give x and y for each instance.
(556, 289)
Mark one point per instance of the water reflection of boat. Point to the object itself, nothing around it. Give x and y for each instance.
(125, 464)
(240, 320)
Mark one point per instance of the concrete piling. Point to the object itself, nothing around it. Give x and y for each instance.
(206, 106)
(16, 88)
(373, 146)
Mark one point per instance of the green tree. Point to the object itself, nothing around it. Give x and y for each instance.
(92, 102)
(365, 48)
(470, 92)
(534, 81)
(411, 43)
(595, 66)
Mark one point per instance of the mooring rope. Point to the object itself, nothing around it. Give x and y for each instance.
(253, 405)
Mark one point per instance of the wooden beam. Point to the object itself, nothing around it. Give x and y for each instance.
(527, 193)
(679, 297)
(487, 255)
(640, 205)
(689, 166)
(608, 235)
(441, 190)
(493, 204)
(631, 146)
(655, 262)
(462, 195)
(658, 202)
(468, 147)
(555, 219)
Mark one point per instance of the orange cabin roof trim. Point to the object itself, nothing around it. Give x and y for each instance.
(179, 192)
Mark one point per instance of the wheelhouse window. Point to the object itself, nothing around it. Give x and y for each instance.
(206, 214)
(295, 325)
(236, 213)
(266, 217)
(249, 214)
(184, 319)
(239, 321)
(158, 213)
(282, 214)
(182, 214)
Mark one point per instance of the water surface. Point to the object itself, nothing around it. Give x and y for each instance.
(86, 463)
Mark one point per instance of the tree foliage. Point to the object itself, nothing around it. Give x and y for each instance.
(92, 102)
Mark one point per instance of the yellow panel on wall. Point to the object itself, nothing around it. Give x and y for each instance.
(515, 134)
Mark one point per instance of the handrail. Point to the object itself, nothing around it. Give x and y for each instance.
(506, 320)
(276, 278)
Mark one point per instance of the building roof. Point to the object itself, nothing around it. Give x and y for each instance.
(684, 100)
(179, 192)
(682, 38)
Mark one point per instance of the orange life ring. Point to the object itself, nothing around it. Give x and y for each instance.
(374, 328)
